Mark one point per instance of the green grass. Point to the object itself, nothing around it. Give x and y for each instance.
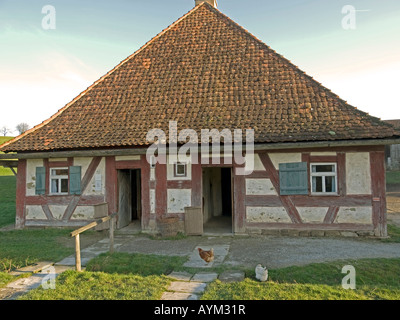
(136, 276)
(393, 233)
(136, 263)
(7, 202)
(392, 177)
(375, 279)
(73, 285)
(117, 276)
(5, 171)
(20, 248)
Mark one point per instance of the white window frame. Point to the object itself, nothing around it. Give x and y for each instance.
(323, 175)
(59, 178)
(184, 175)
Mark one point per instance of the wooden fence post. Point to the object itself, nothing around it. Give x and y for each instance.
(77, 253)
(112, 235)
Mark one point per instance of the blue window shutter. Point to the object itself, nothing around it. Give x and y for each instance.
(75, 180)
(40, 180)
(293, 178)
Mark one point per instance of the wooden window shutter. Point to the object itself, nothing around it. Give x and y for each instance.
(293, 178)
(40, 180)
(75, 180)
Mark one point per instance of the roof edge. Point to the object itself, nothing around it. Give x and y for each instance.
(257, 147)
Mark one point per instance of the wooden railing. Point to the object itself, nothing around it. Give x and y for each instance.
(89, 226)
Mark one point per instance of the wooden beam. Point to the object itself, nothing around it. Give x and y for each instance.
(286, 201)
(322, 145)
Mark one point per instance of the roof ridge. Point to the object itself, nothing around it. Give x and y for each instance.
(102, 78)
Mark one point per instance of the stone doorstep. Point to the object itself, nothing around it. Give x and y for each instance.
(179, 296)
(231, 276)
(187, 287)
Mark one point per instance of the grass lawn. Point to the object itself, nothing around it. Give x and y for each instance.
(142, 277)
(118, 276)
(5, 171)
(392, 177)
(20, 248)
(7, 200)
(320, 281)
(73, 285)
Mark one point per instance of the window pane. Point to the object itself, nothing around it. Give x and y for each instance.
(64, 185)
(317, 184)
(54, 185)
(323, 168)
(330, 184)
(180, 169)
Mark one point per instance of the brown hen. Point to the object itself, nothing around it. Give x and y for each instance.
(207, 256)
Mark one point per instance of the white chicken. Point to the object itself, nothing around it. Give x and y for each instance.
(261, 273)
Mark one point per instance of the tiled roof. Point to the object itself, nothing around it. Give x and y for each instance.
(205, 72)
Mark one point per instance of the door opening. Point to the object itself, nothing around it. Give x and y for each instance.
(129, 191)
(217, 200)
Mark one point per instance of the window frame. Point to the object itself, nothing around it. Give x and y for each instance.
(176, 175)
(59, 178)
(323, 175)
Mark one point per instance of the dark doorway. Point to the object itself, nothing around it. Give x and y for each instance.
(217, 200)
(129, 191)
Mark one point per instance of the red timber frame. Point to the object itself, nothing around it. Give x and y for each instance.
(376, 200)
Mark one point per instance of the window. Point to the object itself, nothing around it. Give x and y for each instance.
(180, 169)
(59, 180)
(323, 178)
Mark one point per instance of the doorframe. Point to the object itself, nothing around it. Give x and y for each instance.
(232, 167)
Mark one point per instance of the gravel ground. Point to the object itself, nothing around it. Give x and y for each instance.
(274, 252)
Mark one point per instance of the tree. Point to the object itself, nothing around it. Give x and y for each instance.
(4, 131)
(22, 127)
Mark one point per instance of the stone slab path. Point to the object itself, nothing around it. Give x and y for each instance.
(42, 272)
(220, 253)
(190, 287)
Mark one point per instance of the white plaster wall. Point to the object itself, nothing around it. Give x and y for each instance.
(362, 215)
(312, 214)
(57, 211)
(83, 213)
(258, 166)
(100, 172)
(265, 214)
(170, 170)
(35, 213)
(358, 175)
(260, 187)
(323, 153)
(31, 165)
(278, 158)
(178, 199)
(152, 201)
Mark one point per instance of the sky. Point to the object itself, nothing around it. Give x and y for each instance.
(47, 58)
